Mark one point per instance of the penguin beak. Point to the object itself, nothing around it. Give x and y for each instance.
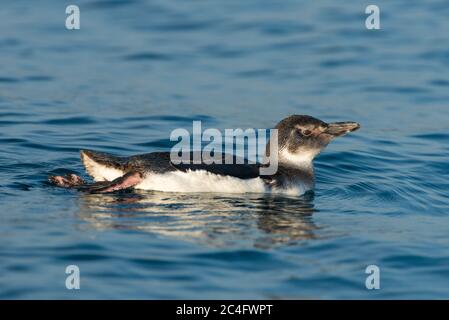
(338, 129)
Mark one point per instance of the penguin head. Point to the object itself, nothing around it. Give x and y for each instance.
(301, 137)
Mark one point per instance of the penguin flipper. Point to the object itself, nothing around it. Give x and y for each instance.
(124, 182)
(230, 166)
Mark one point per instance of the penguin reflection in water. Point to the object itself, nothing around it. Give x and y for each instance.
(227, 220)
(300, 139)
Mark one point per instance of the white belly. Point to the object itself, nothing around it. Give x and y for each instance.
(203, 181)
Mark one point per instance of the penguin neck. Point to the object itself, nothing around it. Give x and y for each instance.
(301, 160)
(298, 165)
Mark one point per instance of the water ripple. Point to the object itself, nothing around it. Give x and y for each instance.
(145, 68)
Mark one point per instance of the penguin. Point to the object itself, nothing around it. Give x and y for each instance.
(300, 139)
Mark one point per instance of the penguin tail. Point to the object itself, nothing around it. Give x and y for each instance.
(102, 166)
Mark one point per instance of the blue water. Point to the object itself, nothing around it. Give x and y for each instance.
(138, 69)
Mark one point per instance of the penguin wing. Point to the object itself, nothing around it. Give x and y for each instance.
(238, 168)
(106, 167)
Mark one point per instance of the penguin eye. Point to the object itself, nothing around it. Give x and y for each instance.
(306, 132)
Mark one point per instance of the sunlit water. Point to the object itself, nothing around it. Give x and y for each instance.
(139, 69)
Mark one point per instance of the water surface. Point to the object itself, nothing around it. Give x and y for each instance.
(139, 69)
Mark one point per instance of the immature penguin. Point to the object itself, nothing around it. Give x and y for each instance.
(300, 139)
